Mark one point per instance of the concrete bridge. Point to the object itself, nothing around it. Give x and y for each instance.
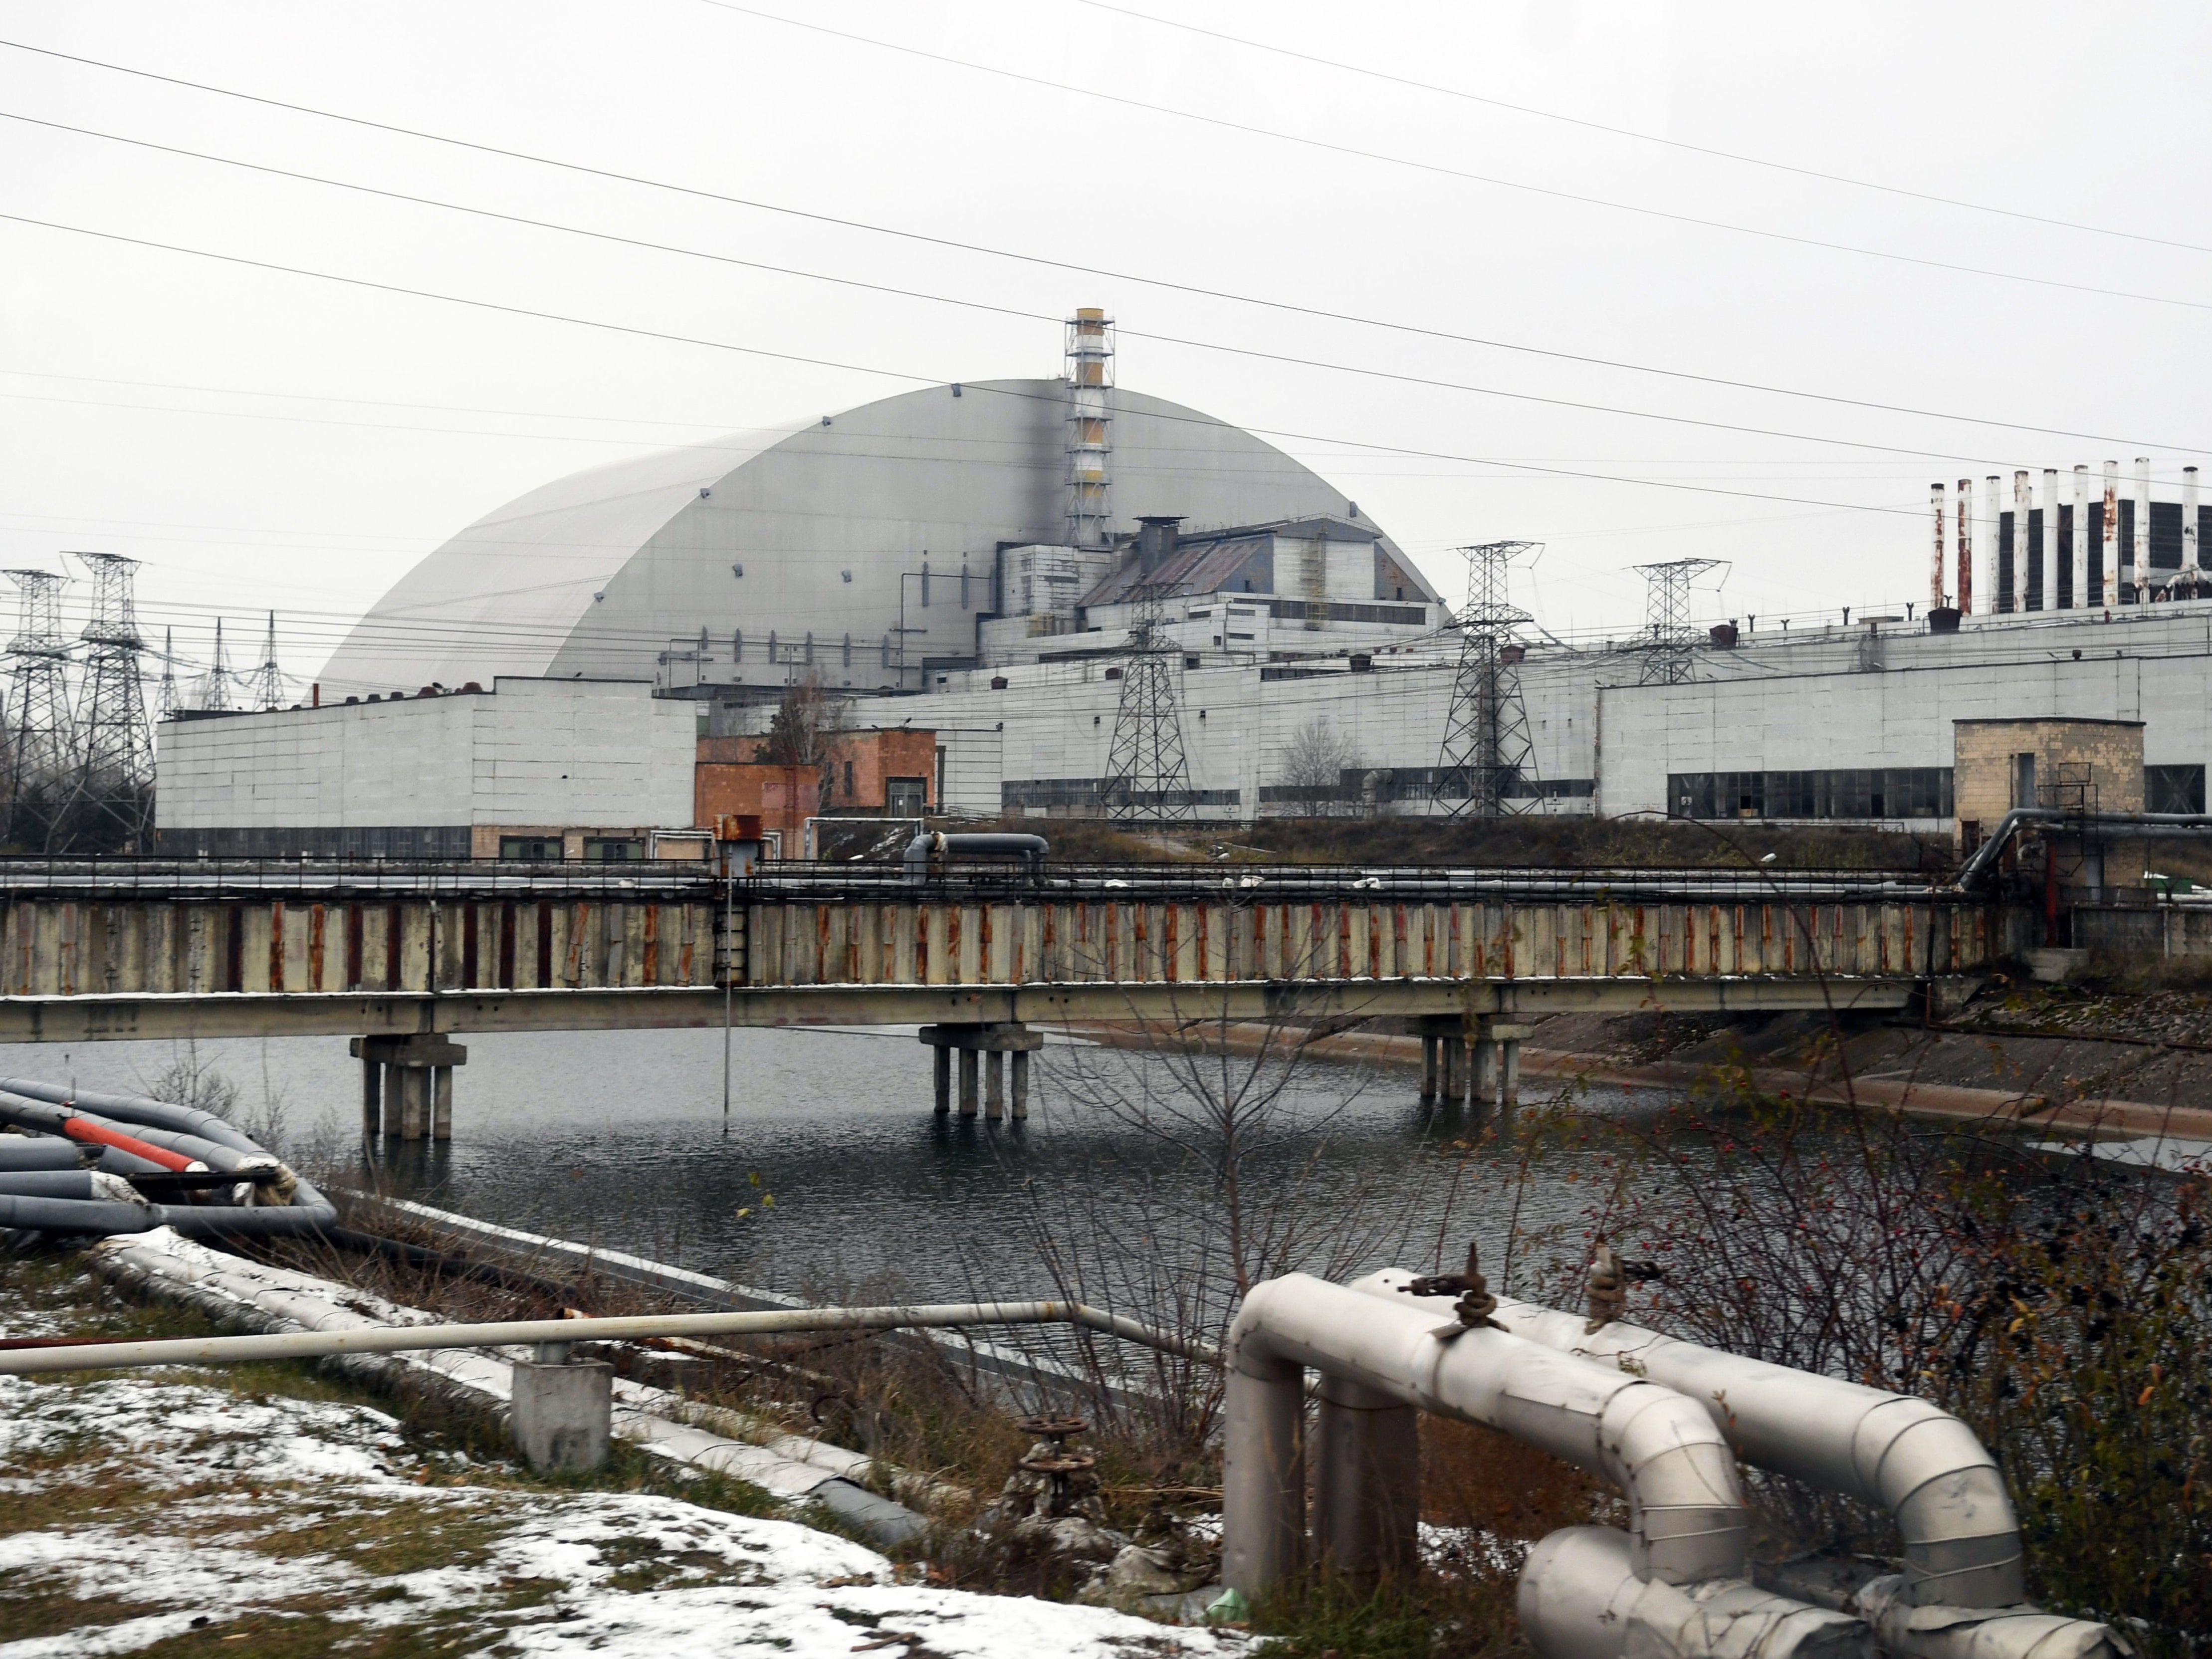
(402, 956)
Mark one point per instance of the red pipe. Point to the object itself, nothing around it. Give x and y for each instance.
(79, 1129)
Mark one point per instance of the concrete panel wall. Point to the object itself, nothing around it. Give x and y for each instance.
(528, 752)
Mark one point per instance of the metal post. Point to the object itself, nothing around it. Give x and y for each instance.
(994, 1084)
(940, 1062)
(441, 1102)
(967, 1083)
(1020, 1060)
(729, 975)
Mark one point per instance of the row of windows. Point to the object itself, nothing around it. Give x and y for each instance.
(1036, 794)
(444, 841)
(1891, 791)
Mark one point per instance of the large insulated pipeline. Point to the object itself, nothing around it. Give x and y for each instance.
(1677, 1584)
(139, 1137)
(1982, 863)
(1963, 1551)
(935, 844)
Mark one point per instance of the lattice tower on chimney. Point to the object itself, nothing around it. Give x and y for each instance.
(1147, 773)
(116, 773)
(1668, 641)
(41, 734)
(1090, 359)
(1487, 758)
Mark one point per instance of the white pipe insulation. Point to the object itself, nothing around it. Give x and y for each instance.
(1657, 1587)
(1962, 1594)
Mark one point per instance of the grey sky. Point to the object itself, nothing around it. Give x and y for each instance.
(399, 419)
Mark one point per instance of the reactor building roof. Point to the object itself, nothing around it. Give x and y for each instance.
(862, 547)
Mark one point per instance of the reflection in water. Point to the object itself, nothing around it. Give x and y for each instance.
(831, 1173)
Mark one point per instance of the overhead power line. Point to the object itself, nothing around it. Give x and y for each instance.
(1166, 285)
(1286, 358)
(1339, 66)
(1438, 168)
(673, 338)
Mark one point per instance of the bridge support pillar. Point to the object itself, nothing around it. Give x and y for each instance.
(1497, 1045)
(993, 1043)
(1429, 1041)
(407, 1085)
(941, 1064)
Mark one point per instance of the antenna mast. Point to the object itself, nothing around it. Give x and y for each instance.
(1486, 759)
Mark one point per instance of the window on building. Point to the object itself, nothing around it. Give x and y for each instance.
(534, 849)
(906, 797)
(611, 849)
(2173, 789)
(1845, 793)
(2023, 780)
(848, 782)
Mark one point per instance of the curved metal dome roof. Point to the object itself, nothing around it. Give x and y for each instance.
(815, 532)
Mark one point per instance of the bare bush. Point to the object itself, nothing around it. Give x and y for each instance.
(1313, 768)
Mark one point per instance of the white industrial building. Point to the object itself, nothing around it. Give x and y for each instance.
(532, 768)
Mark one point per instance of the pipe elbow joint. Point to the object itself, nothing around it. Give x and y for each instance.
(1960, 1532)
(1665, 1451)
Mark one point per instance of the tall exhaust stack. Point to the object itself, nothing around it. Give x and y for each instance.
(2110, 536)
(2049, 556)
(1966, 594)
(2077, 587)
(1990, 524)
(1936, 571)
(1090, 427)
(2139, 551)
(2022, 505)
(2192, 549)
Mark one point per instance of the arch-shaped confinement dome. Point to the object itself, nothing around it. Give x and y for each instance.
(805, 543)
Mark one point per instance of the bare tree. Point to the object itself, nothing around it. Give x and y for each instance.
(802, 730)
(1313, 768)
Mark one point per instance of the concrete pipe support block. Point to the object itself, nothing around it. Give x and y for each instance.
(562, 1415)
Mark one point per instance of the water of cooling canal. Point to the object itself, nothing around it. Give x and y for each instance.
(831, 1176)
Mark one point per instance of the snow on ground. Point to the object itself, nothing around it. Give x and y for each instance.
(145, 1506)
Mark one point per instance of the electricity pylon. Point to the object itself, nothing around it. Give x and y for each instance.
(1668, 640)
(170, 700)
(215, 685)
(1147, 773)
(115, 786)
(268, 680)
(41, 736)
(1487, 758)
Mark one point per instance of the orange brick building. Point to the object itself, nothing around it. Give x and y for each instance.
(890, 772)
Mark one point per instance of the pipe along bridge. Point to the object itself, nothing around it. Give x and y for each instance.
(403, 957)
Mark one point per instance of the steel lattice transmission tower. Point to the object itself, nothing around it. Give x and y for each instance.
(215, 685)
(1486, 755)
(115, 776)
(268, 681)
(1090, 367)
(1669, 639)
(170, 699)
(1147, 773)
(41, 736)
